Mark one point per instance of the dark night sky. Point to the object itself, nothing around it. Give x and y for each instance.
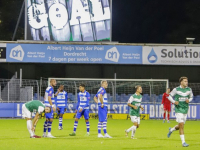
(134, 21)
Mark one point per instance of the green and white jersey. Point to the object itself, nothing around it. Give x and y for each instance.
(136, 101)
(35, 106)
(181, 95)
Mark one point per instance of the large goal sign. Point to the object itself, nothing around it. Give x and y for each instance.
(68, 20)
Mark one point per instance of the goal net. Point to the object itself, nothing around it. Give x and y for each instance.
(118, 91)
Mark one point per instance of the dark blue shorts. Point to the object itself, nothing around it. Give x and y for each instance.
(49, 115)
(62, 110)
(102, 112)
(84, 112)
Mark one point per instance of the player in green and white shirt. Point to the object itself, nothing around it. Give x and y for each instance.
(28, 108)
(182, 96)
(134, 103)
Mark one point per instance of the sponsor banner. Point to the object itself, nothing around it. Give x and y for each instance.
(95, 116)
(171, 55)
(2, 52)
(14, 110)
(45, 53)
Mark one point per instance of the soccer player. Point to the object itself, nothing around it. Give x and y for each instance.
(82, 108)
(50, 102)
(27, 110)
(61, 104)
(134, 103)
(167, 105)
(102, 99)
(182, 96)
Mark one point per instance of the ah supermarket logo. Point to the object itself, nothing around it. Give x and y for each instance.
(112, 54)
(17, 53)
(152, 57)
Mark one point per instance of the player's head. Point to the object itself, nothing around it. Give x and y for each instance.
(53, 82)
(183, 81)
(168, 90)
(82, 87)
(47, 109)
(104, 84)
(138, 89)
(61, 87)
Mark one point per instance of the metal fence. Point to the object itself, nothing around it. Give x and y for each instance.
(118, 91)
(14, 90)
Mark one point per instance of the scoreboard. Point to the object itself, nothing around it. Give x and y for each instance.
(68, 20)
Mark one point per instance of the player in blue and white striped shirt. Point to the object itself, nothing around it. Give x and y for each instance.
(102, 100)
(49, 101)
(82, 109)
(61, 104)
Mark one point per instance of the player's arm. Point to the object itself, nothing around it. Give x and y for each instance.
(35, 120)
(66, 98)
(101, 100)
(171, 94)
(163, 99)
(101, 97)
(88, 99)
(133, 106)
(56, 99)
(77, 104)
(87, 102)
(49, 99)
(57, 92)
(50, 102)
(95, 98)
(141, 107)
(129, 103)
(191, 97)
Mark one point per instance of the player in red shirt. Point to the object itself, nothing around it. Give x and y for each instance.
(167, 105)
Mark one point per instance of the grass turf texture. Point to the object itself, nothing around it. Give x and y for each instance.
(152, 134)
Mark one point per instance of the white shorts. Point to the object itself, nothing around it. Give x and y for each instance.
(25, 112)
(181, 117)
(135, 119)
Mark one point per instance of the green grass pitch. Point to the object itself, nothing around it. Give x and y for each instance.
(152, 134)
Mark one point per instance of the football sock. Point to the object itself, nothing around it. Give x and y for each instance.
(49, 126)
(130, 129)
(105, 127)
(75, 126)
(164, 115)
(45, 126)
(88, 126)
(173, 129)
(168, 116)
(60, 121)
(99, 127)
(182, 138)
(133, 130)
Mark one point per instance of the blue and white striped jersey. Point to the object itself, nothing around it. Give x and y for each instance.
(49, 92)
(83, 100)
(61, 99)
(104, 94)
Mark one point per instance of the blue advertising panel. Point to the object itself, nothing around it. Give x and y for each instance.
(93, 54)
(14, 110)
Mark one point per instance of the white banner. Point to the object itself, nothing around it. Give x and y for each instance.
(2, 52)
(171, 55)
